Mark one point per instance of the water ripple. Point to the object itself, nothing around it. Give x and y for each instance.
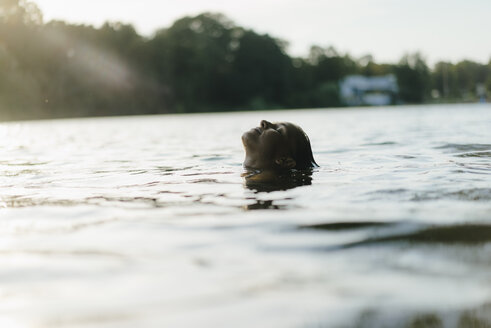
(451, 147)
(468, 234)
(393, 213)
(483, 153)
(473, 194)
(351, 225)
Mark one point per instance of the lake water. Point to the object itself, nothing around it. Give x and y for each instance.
(147, 222)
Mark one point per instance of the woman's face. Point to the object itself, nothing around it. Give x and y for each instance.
(269, 144)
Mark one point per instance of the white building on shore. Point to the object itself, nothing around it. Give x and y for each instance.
(357, 90)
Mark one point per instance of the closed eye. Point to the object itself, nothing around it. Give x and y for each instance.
(279, 128)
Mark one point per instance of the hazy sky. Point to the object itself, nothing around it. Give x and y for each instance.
(440, 29)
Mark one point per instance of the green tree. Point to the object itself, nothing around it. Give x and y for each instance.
(413, 77)
(261, 71)
(200, 63)
(15, 12)
(192, 57)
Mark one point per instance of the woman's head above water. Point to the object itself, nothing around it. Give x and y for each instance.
(277, 146)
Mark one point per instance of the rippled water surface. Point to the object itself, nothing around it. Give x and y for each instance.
(147, 222)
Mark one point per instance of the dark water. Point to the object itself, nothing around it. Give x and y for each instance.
(147, 222)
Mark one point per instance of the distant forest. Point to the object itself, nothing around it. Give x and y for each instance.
(199, 64)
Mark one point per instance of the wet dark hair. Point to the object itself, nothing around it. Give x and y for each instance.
(302, 154)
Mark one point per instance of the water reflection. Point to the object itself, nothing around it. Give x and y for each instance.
(264, 205)
(270, 181)
(477, 317)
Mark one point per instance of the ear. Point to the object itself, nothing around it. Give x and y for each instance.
(286, 162)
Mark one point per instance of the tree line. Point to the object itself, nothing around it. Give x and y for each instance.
(201, 63)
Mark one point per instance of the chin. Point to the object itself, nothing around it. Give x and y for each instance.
(249, 138)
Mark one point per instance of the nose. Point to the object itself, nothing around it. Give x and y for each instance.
(265, 124)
